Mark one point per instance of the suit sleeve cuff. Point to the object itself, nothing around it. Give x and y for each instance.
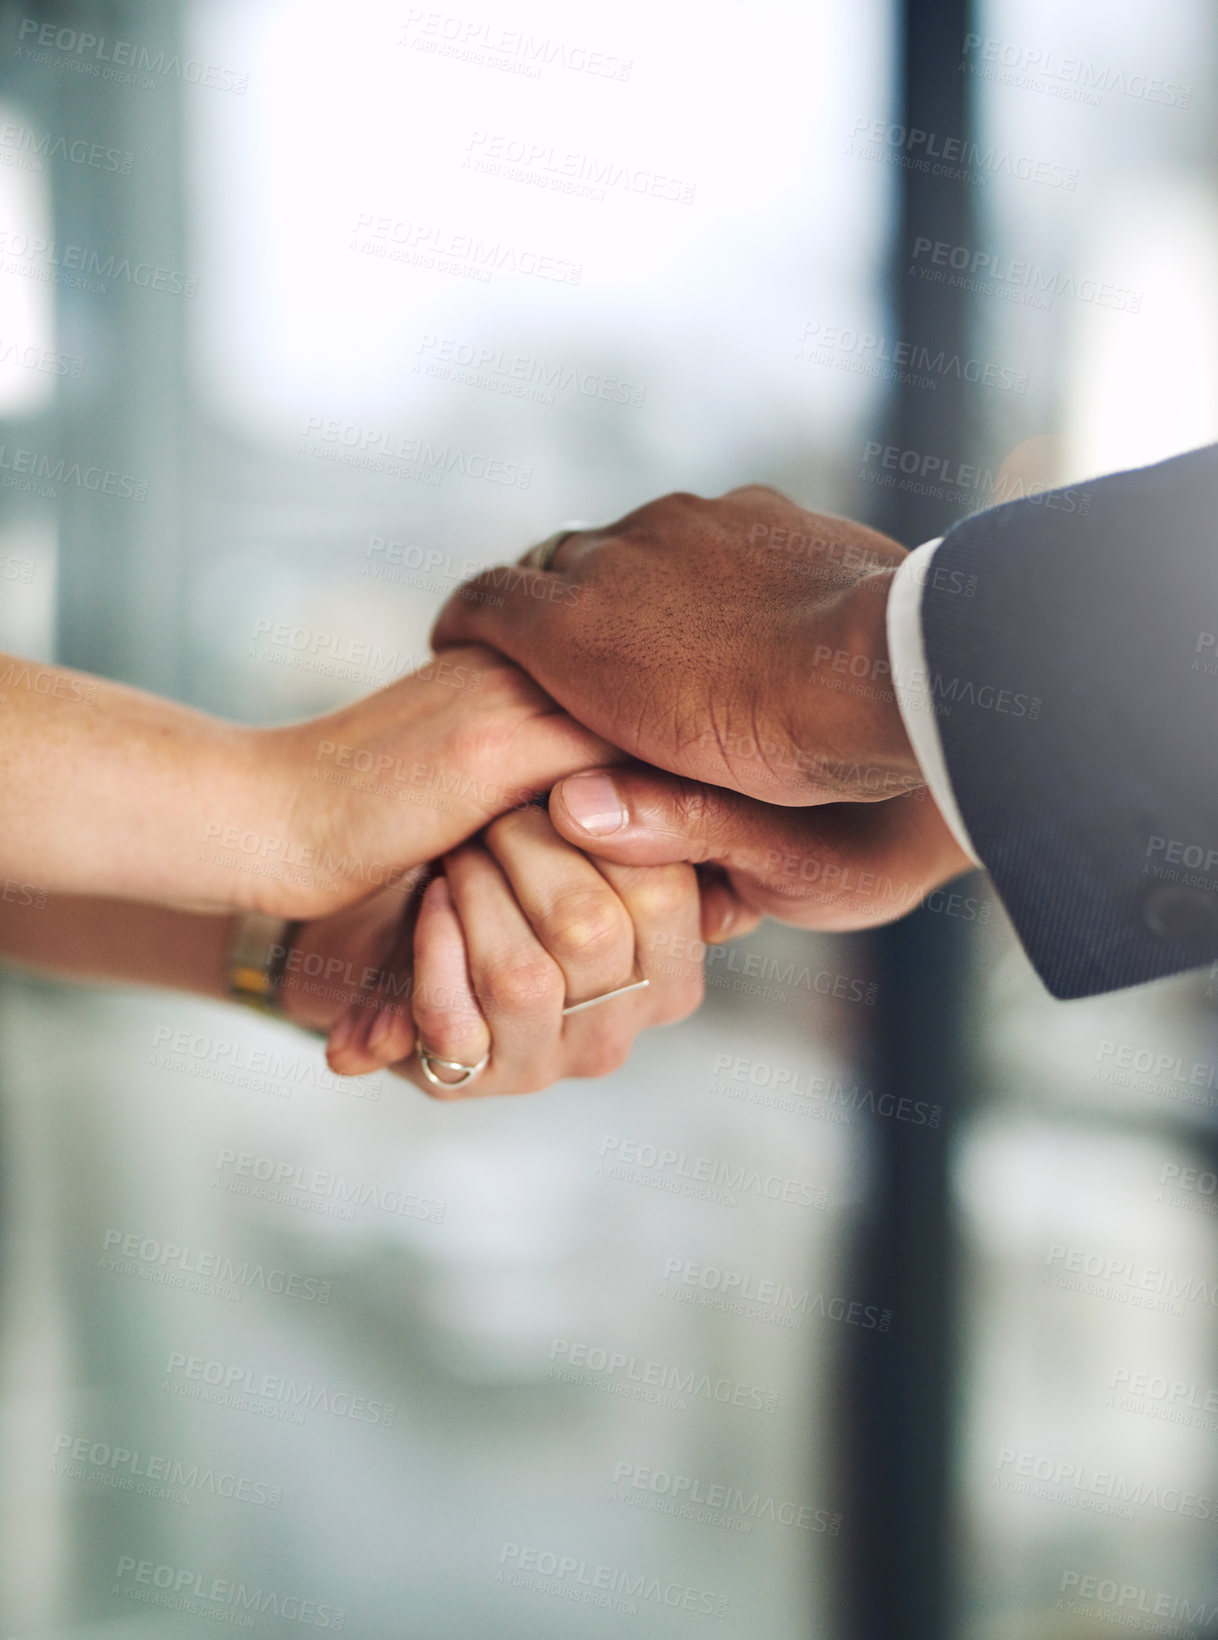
(911, 681)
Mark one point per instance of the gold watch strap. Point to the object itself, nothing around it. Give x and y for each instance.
(257, 958)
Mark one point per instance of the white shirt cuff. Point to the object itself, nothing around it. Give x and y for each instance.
(911, 680)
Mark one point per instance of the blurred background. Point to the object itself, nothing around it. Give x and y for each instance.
(346, 303)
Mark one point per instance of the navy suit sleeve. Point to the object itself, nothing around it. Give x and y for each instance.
(1072, 652)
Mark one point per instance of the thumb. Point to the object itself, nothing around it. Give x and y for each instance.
(638, 816)
(833, 866)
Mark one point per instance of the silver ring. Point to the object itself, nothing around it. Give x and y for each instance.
(593, 1002)
(468, 1072)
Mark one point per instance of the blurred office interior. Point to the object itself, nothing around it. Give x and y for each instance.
(818, 294)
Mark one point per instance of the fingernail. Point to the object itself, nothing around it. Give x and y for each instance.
(381, 1027)
(727, 921)
(340, 1036)
(439, 893)
(593, 803)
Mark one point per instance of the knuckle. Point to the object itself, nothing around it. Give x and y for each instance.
(645, 521)
(446, 1023)
(484, 737)
(398, 1041)
(696, 807)
(480, 739)
(663, 893)
(450, 1035)
(684, 999)
(525, 1085)
(515, 823)
(756, 492)
(442, 1096)
(601, 1057)
(522, 985)
(466, 741)
(500, 684)
(588, 925)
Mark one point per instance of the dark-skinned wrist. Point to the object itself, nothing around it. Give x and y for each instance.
(892, 744)
(856, 746)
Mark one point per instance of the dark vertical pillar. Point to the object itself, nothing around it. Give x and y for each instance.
(898, 1389)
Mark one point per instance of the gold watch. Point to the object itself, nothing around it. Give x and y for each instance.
(258, 958)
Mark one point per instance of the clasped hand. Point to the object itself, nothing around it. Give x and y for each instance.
(484, 957)
(711, 644)
(481, 950)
